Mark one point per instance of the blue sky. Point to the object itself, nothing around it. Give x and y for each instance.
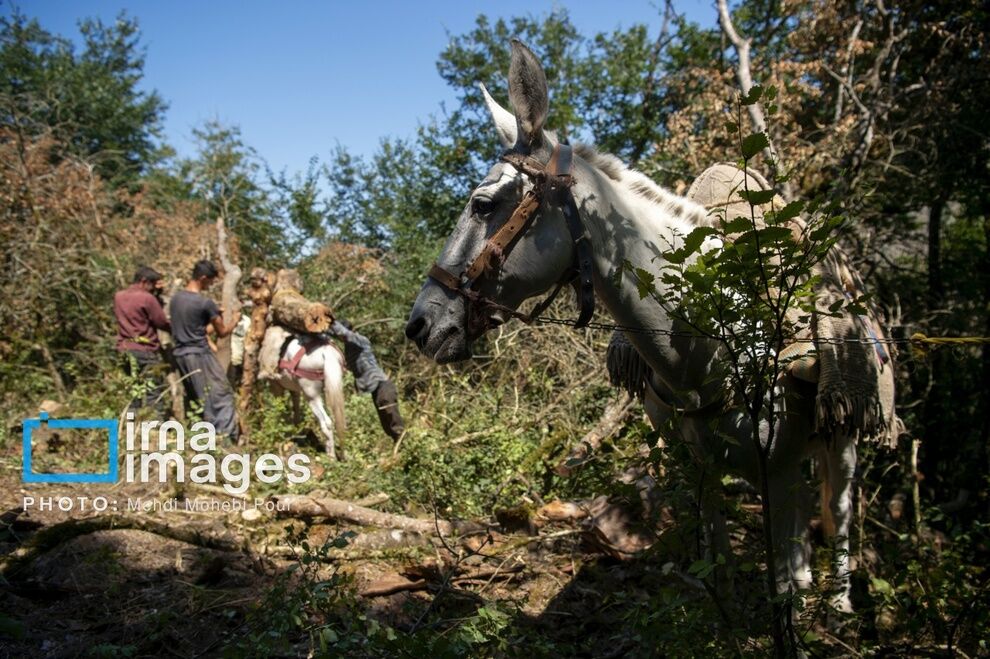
(299, 77)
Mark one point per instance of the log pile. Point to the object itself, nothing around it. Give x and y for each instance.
(291, 310)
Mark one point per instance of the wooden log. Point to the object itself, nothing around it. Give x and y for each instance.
(259, 291)
(295, 505)
(293, 311)
(562, 511)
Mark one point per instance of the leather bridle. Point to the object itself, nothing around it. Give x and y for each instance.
(552, 184)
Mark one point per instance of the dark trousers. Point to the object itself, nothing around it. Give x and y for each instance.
(387, 403)
(206, 383)
(148, 369)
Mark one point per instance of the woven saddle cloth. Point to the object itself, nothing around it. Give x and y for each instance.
(844, 356)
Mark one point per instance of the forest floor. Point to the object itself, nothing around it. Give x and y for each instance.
(185, 579)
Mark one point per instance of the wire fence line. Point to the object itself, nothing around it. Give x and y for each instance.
(916, 339)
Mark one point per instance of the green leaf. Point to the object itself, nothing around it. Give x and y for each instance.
(644, 282)
(738, 225)
(857, 309)
(770, 93)
(732, 127)
(755, 92)
(882, 586)
(753, 144)
(776, 234)
(757, 197)
(698, 566)
(697, 236)
(789, 211)
(696, 279)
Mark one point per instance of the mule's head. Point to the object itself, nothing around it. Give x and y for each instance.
(443, 323)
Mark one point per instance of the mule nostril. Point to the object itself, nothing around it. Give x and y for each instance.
(415, 327)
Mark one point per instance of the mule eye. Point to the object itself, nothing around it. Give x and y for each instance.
(482, 206)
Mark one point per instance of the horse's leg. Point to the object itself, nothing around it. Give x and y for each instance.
(840, 470)
(789, 517)
(314, 398)
(296, 406)
(717, 532)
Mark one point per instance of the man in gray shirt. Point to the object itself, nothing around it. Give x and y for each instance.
(370, 378)
(192, 312)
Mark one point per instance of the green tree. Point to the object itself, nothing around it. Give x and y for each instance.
(225, 176)
(89, 100)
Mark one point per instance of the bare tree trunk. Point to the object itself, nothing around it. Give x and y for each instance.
(231, 305)
(745, 78)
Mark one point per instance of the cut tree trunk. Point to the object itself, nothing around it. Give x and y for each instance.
(293, 311)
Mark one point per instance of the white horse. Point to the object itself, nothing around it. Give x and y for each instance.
(315, 368)
(629, 219)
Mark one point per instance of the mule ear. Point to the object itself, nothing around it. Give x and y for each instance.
(529, 96)
(505, 121)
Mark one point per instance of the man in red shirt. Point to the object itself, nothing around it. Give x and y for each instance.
(139, 317)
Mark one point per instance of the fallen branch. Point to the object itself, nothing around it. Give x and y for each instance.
(398, 584)
(611, 421)
(386, 587)
(373, 500)
(294, 505)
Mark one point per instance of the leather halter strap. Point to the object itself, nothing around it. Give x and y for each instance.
(552, 182)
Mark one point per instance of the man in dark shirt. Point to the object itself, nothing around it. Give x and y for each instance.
(139, 316)
(192, 312)
(370, 378)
